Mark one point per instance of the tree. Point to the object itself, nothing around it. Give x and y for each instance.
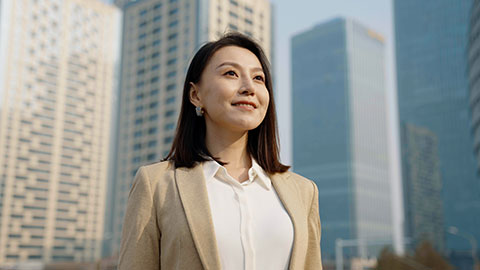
(425, 257)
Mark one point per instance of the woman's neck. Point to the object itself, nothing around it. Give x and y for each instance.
(231, 148)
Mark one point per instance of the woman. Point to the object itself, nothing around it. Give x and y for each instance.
(221, 199)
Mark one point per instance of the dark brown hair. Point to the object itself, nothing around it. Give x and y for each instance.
(189, 146)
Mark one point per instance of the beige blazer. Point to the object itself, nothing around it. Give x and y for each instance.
(168, 223)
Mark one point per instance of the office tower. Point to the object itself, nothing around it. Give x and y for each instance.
(340, 131)
(431, 43)
(159, 39)
(474, 76)
(57, 64)
(422, 187)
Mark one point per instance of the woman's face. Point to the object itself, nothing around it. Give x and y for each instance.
(232, 91)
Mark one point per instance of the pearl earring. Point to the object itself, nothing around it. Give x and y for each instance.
(199, 111)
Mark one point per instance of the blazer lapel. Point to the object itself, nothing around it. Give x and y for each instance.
(290, 198)
(193, 194)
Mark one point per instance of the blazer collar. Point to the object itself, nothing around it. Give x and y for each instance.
(193, 193)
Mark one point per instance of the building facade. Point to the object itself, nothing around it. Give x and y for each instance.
(57, 64)
(340, 131)
(159, 39)
(474, 75)
(422, 187)
(431, 55)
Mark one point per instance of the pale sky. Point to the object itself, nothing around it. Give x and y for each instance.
(293, 17)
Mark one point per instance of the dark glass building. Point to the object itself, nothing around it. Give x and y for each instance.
(340, 131)
(431, 54)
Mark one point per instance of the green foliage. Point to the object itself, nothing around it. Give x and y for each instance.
(425, 258)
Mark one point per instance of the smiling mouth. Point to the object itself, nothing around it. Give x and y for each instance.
(245, 104)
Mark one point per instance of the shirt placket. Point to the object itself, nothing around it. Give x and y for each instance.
(246, 224)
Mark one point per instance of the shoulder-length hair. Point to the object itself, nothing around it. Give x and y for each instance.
(189, 146)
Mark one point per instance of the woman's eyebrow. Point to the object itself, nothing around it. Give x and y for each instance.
(237, 66)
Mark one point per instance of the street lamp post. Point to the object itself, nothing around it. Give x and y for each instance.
(470, 238)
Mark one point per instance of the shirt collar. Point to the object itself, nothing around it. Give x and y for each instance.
(211, 167)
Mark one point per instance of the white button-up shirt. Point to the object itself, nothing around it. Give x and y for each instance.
(252, 228)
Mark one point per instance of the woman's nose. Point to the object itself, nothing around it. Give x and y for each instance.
(247, 87)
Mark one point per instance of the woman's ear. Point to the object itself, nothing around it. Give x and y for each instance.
(194, 97)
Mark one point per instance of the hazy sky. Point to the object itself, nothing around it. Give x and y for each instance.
(293, 17)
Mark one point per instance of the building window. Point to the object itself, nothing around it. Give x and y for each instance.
(169, 126)
(156, 42)
(151, 156)
(153, 117)
(167, 140)
(172, 61)
(171, 74)
(155, 67)
(170, 100)
(154, 80)
(137, 134)
(143, 12)
(152, 130)
(153, 105)
(171, 87)
(172, 49)
(154, 92)
(157, 18)
(173, 11)
(152, 143)
(173, 24)
(233, 14)
(137, 146)
(169, 113)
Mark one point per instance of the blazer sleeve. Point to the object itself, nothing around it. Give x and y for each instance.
(139, 248)
(314, 258)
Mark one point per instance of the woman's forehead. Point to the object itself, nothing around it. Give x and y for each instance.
(234, 55)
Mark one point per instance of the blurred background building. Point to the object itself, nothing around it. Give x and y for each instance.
(57, 64)
(340, 130)
(474, 75)
(422, 187)
(431, 54)
(159, 39)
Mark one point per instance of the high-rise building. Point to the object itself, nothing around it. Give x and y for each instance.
(340, 131)
(159, 39)
(474, 75)
(57, 64)
(422, 187)
(431, 54)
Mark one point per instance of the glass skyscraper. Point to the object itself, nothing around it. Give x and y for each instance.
(431, 55)
(340, 130)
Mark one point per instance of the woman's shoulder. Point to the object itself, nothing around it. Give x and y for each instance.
(154, 172)
(158, 167)
(305, 185)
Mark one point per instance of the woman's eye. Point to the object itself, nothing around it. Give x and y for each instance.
(260, 78)
(230, 72)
